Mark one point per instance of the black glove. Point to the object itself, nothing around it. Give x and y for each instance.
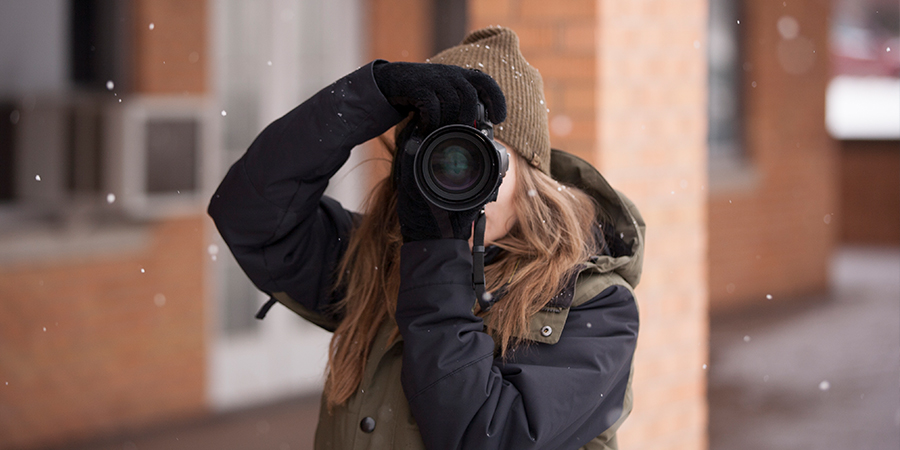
(419, 219)
(439, 94)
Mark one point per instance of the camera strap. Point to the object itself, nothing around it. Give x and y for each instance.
(485, 299)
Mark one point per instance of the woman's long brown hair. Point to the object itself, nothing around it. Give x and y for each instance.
(552, 235)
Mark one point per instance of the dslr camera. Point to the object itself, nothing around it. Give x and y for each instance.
(460, 167)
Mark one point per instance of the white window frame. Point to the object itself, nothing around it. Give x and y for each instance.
(131, 180)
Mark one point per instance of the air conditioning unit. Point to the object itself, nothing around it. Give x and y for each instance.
(164, 162)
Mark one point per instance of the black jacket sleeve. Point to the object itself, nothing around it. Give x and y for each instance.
(270, 209)
(542, 396)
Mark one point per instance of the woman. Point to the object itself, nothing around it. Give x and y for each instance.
(413, 362)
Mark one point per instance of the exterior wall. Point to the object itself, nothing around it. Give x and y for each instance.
(90, 344)
(391, 39)
(626, 88)
(172, 56)
(399, 30)
(652, 146)
(560, 40)
(870, 192)
(774, 234)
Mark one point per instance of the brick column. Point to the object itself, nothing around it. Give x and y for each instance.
(626, 86)
(775, 236)
(651, 144)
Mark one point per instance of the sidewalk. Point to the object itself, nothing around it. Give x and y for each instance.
(813, 373)
(286, 425)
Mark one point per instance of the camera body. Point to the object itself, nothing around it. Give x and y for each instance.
(460, 167)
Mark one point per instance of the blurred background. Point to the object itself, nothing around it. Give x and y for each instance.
(761, 141)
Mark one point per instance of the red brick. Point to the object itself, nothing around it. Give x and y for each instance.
(542, 10)
(490, 10)
(173, 57)
(580, 99)
(580, 38)
(110, 359)
(781, 219)
(535, 39)
(565, 68)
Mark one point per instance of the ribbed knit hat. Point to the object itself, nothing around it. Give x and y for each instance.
(495, 51)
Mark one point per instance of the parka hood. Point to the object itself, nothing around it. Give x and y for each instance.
(623, 226)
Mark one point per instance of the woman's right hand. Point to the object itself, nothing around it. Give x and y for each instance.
(440, 94)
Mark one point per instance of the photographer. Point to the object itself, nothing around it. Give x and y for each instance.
(419, 360)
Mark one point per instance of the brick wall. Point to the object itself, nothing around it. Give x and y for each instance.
(652, 146)
(869, 192)
(100, 341)
(170, 52)
(391, 39)
(626, 88)
(104, 342)
(775, 236)
(559, 39)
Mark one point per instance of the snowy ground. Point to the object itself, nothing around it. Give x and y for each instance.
(813, 373)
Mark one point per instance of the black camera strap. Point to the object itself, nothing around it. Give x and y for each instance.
(485, 299)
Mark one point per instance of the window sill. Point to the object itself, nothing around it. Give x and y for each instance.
(42, 239)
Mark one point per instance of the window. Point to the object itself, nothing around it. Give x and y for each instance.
(172, 153)
(9, 117)
(97, 34)
(160, 168)
(725, 70)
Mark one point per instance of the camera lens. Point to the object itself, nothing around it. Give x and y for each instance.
(456, 167)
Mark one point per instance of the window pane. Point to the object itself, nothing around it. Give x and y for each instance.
(724, 78)
(172, 146)
(9, 116)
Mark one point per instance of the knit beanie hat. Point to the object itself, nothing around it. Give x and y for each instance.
(495, 51)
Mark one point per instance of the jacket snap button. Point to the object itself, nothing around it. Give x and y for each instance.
(546, 331)
(367, 425)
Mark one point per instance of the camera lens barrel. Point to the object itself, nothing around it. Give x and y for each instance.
(458, 167)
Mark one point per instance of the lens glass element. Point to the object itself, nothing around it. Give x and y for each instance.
(456, 167)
